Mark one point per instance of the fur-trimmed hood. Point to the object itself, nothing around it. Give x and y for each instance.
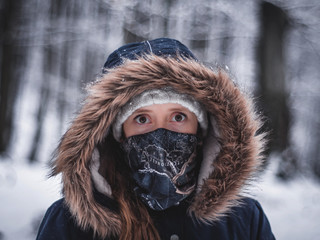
(231, 152)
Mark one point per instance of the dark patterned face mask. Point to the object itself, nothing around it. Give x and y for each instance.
(163, 165)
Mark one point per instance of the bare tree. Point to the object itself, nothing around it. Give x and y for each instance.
(139, 20)
(12, 56)
(272, 91)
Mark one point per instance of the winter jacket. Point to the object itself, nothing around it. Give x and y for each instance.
(247, 222)
(231, 153)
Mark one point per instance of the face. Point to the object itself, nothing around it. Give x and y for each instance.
(170, 116)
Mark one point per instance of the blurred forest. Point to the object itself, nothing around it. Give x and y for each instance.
(50, 50)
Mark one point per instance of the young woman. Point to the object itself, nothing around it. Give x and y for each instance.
(161, 149)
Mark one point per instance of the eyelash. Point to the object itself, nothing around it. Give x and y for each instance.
(139, 116)
(179, 114)
(147, 120)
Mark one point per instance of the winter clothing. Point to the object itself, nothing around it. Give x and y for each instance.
(159, 96)
(245, 222)
(163, 47)
(231, 151)
(164, 166)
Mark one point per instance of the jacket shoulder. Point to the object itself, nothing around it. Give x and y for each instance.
(250, 214)
(59, 224)
(55, 222)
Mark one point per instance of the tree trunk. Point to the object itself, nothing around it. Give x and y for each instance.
(272, 91)
(141, 20)
(11, 60)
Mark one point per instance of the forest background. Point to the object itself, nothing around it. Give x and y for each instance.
(50, 50)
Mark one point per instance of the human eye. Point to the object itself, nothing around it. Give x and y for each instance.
(178, 117)
(142, 119)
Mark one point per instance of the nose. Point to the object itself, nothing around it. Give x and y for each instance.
(161, 123)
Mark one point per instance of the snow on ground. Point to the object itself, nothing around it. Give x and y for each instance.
(25, 195)
(293, 208)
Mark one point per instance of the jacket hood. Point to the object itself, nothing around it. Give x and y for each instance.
(232, 150)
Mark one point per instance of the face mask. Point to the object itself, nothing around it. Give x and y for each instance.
(163, 165)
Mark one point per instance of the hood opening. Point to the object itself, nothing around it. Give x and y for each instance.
(232, 149)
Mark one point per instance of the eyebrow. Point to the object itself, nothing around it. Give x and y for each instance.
(141, 110)
(173, 109)
(144, 109)
(179, 109)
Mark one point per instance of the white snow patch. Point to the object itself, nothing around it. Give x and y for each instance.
(25, 195)
(293, 208)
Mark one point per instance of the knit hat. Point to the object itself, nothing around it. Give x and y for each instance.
(159, 96)
(164, 47)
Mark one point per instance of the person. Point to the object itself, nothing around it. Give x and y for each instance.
(161, 149)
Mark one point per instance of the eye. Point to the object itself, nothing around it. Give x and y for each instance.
(178, 117)
(142, 119)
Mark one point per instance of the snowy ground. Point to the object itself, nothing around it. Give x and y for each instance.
(25, 195)
(293, 208)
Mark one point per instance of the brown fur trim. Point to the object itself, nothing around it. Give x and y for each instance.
(239, 156)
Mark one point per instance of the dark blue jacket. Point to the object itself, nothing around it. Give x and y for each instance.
(245, 222)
